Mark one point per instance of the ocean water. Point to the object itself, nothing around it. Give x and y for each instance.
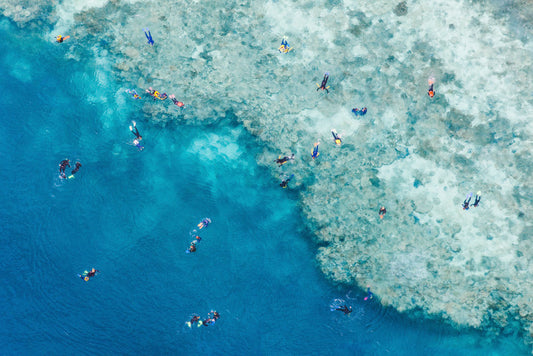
(130, 215)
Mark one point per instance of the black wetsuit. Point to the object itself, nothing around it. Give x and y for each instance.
(75, 170)
(477, 200)
(344, 309)
(63, 165)
(135, 131)
(466, 203)
(324, 83)
(282, 161)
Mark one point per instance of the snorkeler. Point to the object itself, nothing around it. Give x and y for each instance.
(336, 137)
(60, 39)
(281, 161)
(431, 92)
(315, 152)
(216, 315)
(285, 182)
(192, 247)
(148, 36)
(156, 95)
(87, 275)
(204, 223)
(136, 132)
(176, 101)
(62, 166)
(285, 47)
(358, 112)
(345, 309)
(466, 203)
(477, 199)
(369, 294)
(382, 212)
(324, 83)
(133, 93)
(195, 319)
(75, 170)
(137, 144)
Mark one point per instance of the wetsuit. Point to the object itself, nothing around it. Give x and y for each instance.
(324, 83)
(135, 131)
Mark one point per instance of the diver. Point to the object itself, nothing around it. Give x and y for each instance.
(466, 203)
(87, 275)
(336, 137)
(315, 152)
(324, 83)
(382, 212)
(281, 161)
(204, 223)
(358, 112)
(285, 47)
(136, 132)
(62, 166)
(133, 93)
(369, 294)
(148, 36)
(60, 39)
(285, 182)
(477, 199)
(431, 92)
(176, 101)
(75, 170)
(345, 309)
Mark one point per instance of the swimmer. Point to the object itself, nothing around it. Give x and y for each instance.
(336, 137)
(191, 248)
(75, 170)
(176, 102)
(216, 315)
(285, 182)
(324, 83)
(345, 309)
(285, 47)
(138, 145)
(87, 275)
(315, 152)
(369, 294)
(194, 320)
(431, 92)
(136, 131)
(148, 36)
(466, 203)
(204, 223)
(208, 321)
(477, 199)
(382, 212)
(281, 161)
(62, 166)
(358, 112)
(60, 39)
(133, 93)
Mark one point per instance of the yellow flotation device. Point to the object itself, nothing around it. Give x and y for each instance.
(86, 279)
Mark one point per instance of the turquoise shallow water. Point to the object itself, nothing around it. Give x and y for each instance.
(129, 214)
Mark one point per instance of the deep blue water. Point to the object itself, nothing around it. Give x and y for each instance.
(129, 214)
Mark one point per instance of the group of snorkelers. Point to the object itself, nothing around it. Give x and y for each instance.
(466, 203)
(63, 166)
(212, 317)
(192, 247)
(86, 275)
(156, 95)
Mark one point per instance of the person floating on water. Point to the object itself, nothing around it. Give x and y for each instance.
(75, 170)
(281, 161)
(204, 223)
(62, 166)
(369, 294)
(315, 152)
(345, 309)
(60, 39)
(477, 199)
(192, 247)
(87, 275)
(212, 317)
(133, 93)
(285, 181)
(176, 101)
(382, 212)
(138, 144)
(358, 112)
(324, 83)
(336, 137)
(148, 36)
(285, 47)
(195, 319)
(431, 92)
(466, 203)
(156, 95)
(135, 131)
